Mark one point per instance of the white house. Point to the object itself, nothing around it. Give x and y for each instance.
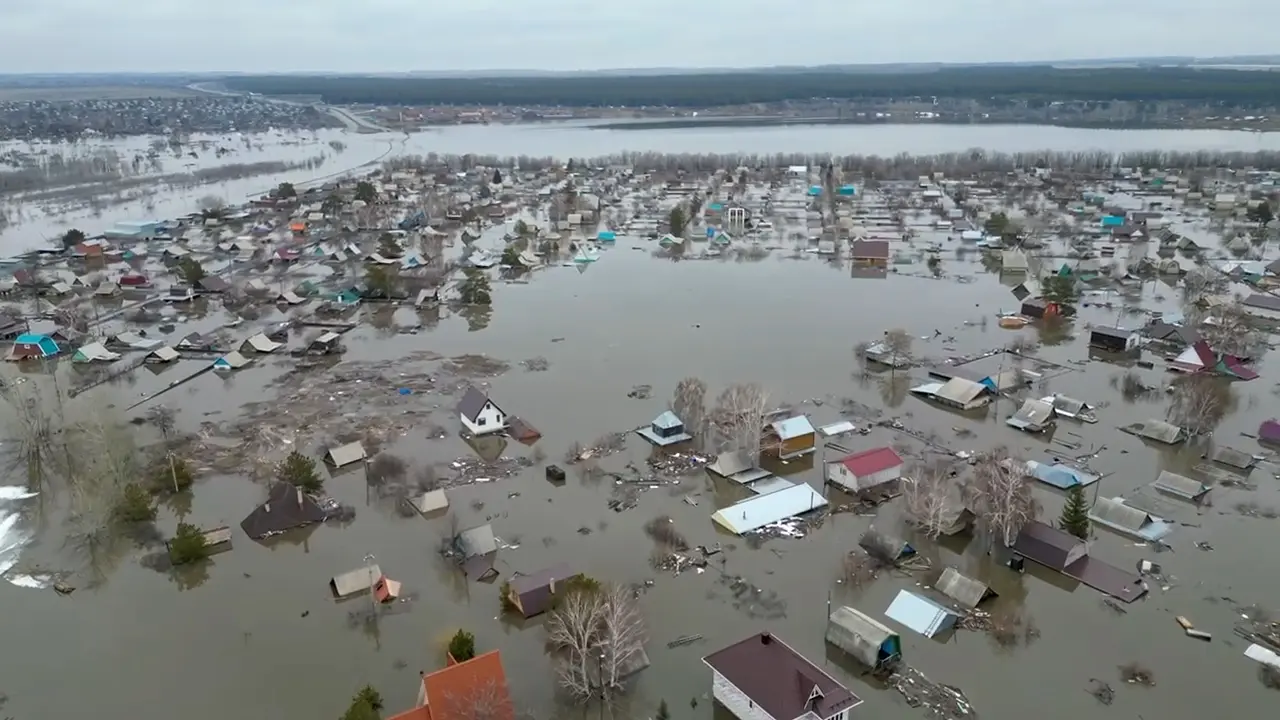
(479, 414)
(763, 678)
(866, 469)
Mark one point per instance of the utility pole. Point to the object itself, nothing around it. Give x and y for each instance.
(373, 596)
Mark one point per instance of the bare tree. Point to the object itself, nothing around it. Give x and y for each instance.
(600, 633)
(1199, 403)
(623, 634)
(931, 499)
(738, 418)
(1229, 329)
(689, 403)
(1000, 496)
(486, 701)
(898, 342)
(211, 203)
(1199, 282)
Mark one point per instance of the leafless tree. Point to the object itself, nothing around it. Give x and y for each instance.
(898, 341)
(1229, 329)
(689, 403)
(211, 203)
(486, 701)
(1199, 282)
(738, 419)
(599, 633)
(931, 499)
(1199, 403)
(1000, 496)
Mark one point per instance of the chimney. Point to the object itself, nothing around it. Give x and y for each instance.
(299, 497)
(765, 638)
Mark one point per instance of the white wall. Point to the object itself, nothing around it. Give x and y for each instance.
(840, 475)
(493, 420)
(735, 700)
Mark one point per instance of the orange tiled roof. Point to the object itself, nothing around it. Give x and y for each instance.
(477, 686)
(418, 713)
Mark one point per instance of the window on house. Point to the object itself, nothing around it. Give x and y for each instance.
(481, 421)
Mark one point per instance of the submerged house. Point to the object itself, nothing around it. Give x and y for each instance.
(231, 361)
(287, 507)
(1048, 546)
(761, 677)
(761, 510)
(870, 252)
(533, 594)
(884, 355)
(736, 467)
(958, 393)
(455, 692)
(865, 469)
(475, 550)
(965, 591)
(479, 414)
(1180, 486)
(1071, 408)
(344, 455)
(31, 346)
(864, 638)
(1156, 430)
(1114, 339)
(1113, 513)
(791, 438)
(666, 429)
(1034, 416)
(921, 614)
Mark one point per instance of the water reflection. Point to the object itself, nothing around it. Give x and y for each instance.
(478, 316)
(191, 575)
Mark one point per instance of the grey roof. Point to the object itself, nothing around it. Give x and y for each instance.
(1179, 485)
(1113, 512)
(667, 421)
(473, 401)
(355, 581)
(1157, 430)
(961, 391)
(346, 454)
(535, 590)
(964, 590)
(1262, 302)
(858, 634)
(1115, 332)
(1232, 458)
(477, 546)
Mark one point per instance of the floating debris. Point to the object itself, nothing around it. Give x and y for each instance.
(940, 702)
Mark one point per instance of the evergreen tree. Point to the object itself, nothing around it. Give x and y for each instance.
(1075, 515)
(663, 712)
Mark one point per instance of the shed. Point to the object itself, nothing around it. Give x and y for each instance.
(286, 508)
(1113, 339)
(1114, 514)
(920, 614)
(355, 581)
(1012, 261)
(793, 437)
(966, 591)
(1180, 486)
(761, 510)
(666, 429)
(865, 469)
(735, 466)
(430, 501)
(289, 297)
(345, 454)
(533, 594)
(867, 640)
(161, 355)
(1071, 408)
(216, 540)
(94, 352)
(1049, 546)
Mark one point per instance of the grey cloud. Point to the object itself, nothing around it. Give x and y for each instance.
(398, 35)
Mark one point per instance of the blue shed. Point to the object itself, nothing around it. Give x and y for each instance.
(815, 190)
(31, 345)
(1112, 221)
(606, 236)
(847, 190)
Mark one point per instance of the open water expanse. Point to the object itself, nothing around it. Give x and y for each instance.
(257, 635)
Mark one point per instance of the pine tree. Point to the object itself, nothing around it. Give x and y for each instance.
(1075, 515)
(663, 712)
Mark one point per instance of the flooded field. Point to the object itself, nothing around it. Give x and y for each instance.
(581, 350)
(30, 227)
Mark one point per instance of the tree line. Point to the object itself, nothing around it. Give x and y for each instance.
(1228, 88)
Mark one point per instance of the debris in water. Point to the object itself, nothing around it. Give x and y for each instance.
(1101, 691)
(940, 702)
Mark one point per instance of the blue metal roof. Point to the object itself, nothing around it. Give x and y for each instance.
(920, 614)
(1059, 476)
(754, 513)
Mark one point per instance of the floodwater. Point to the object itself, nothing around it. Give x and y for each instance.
(578, 139)
(255, 634)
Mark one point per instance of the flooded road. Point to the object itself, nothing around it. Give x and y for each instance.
(29, 227)
(257, 635)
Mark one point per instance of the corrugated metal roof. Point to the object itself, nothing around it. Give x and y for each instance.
(793, 427)
(350, 583)
(961, 391)
(754, 513)
(667, 420)
(858, 634)
(920, 614)
(1113, 513)
(1179, 485)
(346, 454)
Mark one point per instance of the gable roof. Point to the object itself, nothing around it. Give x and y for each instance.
(869, 462)
(286, 508)
(869, 249)
(779, 679)
(459, 691)
(473, 401)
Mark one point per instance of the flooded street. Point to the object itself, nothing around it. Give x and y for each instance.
(255, 633)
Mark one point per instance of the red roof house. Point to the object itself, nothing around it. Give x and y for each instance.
(463, 691)
(865, 469)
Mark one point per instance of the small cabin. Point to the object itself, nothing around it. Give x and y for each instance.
(666, 429)
(1113, 339)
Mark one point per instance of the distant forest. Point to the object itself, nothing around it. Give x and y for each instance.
(1228, 88)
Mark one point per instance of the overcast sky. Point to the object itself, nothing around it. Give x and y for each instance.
(401, 35)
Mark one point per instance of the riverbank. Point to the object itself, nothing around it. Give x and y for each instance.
(1261, 124)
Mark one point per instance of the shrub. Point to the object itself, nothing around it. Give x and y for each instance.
(462, 646)
(135, 505)
(187, 545)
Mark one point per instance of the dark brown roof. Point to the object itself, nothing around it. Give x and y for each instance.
(1046, 545)
(286, 508)
(869, 249)
(779, 679)
(535, 589)
(473, 401)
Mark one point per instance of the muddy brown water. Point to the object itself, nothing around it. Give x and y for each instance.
(256, 634)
